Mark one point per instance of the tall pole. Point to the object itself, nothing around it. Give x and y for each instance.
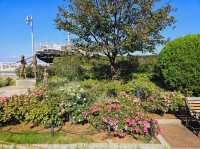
(32, 36)
(29, 21)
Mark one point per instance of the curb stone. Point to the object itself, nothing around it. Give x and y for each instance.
(84, 146)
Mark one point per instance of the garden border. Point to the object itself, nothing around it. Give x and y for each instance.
(83, 146)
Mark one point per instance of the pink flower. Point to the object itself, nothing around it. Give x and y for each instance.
(140, 122)
(113, 106)
(130, 122)
(94, 109)
(136, 130)
(113, 122)
(146, 124)
(145, 130)
(85, 114)
(3, 99)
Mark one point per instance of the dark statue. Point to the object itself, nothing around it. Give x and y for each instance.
(23, 67)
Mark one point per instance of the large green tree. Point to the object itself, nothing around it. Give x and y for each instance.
(115, 27)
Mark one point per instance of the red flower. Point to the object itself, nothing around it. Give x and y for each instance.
(94, 109)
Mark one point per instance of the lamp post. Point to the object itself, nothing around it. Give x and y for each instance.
(29, 21)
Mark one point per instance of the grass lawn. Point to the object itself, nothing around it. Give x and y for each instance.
(41, 138)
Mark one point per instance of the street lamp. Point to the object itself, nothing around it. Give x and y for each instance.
(29, 21)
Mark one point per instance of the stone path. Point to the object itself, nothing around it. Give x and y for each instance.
(179, 137)
(21, 88)
(12, 90)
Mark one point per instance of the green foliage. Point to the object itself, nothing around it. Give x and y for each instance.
(179, 64)
(142, 82)
(121, 116)
(39, 107)
(29, 72)
(115, 27)
(135, 64)
(56, 82)
(67, 67)
(84, 68)
(6, 81)
(104, 88)
(152, 97)
(163, 102)
(75, 100)
(39, 114)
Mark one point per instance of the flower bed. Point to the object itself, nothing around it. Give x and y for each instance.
(122, 117)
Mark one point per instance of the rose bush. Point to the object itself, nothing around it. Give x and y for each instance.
(164, 102)
(120, 117)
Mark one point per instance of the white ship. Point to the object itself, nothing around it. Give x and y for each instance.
(46, 52)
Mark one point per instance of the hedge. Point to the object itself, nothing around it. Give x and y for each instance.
(179, 64)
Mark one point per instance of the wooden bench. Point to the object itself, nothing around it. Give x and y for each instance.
(193, 118)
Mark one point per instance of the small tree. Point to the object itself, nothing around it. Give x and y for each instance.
(115, 27)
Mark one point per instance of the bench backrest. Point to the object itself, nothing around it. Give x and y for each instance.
(193, 104)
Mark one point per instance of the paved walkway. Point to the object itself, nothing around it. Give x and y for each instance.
(21, 87)
(12, 90)
(179, 137)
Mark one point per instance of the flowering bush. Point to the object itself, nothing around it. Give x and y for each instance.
(121, 117)
(34, 108)
(95, 110)
(113, 106)
(75, 100)
(164, 102)
(38, 92)
(3, 99)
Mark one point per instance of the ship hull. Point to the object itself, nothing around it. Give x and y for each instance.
(48, 56)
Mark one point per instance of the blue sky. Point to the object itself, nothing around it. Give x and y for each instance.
(15, 38)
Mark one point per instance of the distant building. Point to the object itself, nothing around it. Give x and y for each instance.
(8, 66)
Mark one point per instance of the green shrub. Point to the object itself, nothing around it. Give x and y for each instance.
(135, 64)
(55, 81)
(6, 81)
(30, 74)
(112, 88)
(142, 83)
(68, 67)
(163, 102)
(179, 64)
(104, 88)
(73, 100)
(34, 108)
(3, 82)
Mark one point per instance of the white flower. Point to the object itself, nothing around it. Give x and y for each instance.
(81, 90)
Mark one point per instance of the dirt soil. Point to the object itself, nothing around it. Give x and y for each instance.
(74, 129)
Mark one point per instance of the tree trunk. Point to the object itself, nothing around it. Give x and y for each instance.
(113, 68)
